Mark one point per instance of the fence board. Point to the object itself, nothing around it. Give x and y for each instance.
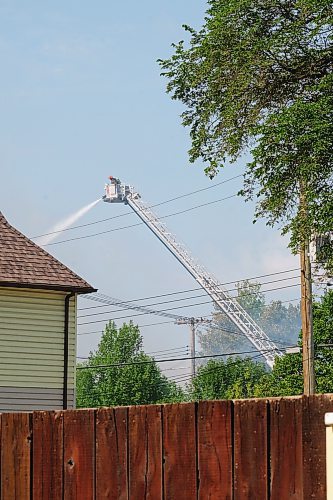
(79, 454)
(314, 445)
(179, 450)
(15, 456)
(111, 454)
(145, 452)
(250, 450)
(47, 455)
(286, 449)
(215, 449)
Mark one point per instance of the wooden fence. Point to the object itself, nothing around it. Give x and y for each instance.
(248, 449)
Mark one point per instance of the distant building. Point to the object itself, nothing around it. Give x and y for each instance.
(38, 297)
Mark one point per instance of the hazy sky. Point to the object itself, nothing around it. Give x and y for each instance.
(81, 98)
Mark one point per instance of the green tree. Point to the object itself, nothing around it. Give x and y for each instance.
(259, 74)
(139, 382)
(280, 322)
(286, 378)
(227, 379)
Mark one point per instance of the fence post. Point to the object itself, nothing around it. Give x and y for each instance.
(329, 454)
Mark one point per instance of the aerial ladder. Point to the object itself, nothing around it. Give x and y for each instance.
(117, 192)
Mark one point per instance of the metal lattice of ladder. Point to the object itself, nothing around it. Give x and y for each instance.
(228, 304)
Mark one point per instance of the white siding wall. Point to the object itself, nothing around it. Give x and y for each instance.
(32, 349)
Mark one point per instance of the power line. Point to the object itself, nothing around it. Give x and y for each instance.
(179, 299)
(162, 382)
(222, 329)
(170, 360)
(110, 301)
(131, 213)
(220, 367)
(177, 349)
(142, 223)
(160, 356)
(179, 379)
(185, 378)
(139, 326)
(174, 369)
(169, 322)
(226, 330)
(163, 311)
(89, 297)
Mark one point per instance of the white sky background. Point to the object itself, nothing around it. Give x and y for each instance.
(81, 98)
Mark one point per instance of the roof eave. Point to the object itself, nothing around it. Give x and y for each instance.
(44, 286)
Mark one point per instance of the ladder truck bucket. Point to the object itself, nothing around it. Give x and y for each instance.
(116, 192)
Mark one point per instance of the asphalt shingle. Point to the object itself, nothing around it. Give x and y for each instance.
(25, 264)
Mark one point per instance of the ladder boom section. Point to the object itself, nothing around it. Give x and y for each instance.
(233, 310)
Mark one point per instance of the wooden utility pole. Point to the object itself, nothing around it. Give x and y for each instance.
(307, 323)
(193, 322)
(306, 309)
(192, 347)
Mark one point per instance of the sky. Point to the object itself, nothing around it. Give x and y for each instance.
(81, 99)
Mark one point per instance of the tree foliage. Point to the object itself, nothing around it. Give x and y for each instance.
(227, 379)
(230, 378)
(286, 378)
(136, 383)
(250, 59)
(259, 74)
(294, 149)
(248, 378)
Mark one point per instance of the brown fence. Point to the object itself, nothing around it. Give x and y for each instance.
(250, 449)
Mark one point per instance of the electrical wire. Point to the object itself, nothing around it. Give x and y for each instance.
(162, 383)
(185, 378)
(110, 301)
(89, 296)
(160, 356)
(163, 311)
(174, 369)
(170, 360)
(225, 330)
(162, 352)
(172, 322)
(180, 379)
(180, 299)
(177, 379)
(139, 326)
(132, 213)
(142, 223)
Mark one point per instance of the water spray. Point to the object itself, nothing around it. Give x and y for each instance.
(61, 226)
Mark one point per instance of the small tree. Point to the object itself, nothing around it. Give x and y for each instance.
(227, 379)
(123, 373)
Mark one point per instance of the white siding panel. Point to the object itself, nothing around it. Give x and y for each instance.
(31, 348)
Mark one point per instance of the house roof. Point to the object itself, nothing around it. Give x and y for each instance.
(25, 264)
